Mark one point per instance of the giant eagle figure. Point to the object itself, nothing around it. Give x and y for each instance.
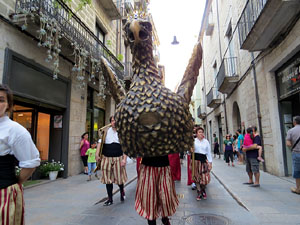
(152, 120)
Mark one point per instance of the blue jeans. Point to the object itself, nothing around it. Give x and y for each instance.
(296, 165)
(92, 167)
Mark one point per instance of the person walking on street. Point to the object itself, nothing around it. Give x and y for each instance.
(155, 191)
(113, 161)
(252, 163)
(216, 146)
(91, 153)
(228, 146)
(202, 163)
(84, 146)
(15, 144)
(293, 141)
(240, 142)
(175, 165)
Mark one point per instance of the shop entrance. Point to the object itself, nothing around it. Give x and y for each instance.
(45, 127)
(290, 107)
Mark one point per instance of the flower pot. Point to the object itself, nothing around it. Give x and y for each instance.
(53, 175)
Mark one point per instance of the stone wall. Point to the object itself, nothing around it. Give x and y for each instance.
(24, 45)
(244, 94)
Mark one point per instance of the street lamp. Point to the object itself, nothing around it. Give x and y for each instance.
(175, 42)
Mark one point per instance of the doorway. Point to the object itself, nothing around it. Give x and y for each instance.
(220, 133)
(45, 130)
(236, 117)
(289, 108)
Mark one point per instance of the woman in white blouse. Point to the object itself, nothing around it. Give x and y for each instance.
(15, 143)
(202, 163)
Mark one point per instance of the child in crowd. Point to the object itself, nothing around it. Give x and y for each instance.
(91, 153)
(248, 141)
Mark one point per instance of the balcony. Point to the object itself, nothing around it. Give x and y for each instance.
(126, 9)
(201, 112)
(213, 98)
(73, 30)
(228, 76)
(262, 22)
(111, 8)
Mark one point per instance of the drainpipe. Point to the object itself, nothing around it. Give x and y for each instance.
(258, 107)
(224, 103)
(205, 99)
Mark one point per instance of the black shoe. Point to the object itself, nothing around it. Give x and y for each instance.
(165, 221)
(108, 203)
(122, 196)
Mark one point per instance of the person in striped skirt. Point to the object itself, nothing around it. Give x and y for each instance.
(113, 162)
(15, 144)
(202, 163)
(155, 192)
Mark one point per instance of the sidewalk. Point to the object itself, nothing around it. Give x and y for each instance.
(57, 201)
(271, 203)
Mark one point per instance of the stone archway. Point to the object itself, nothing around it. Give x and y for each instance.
(236, 117)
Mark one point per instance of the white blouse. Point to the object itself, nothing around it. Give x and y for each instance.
(111, 137)
(16, 140)
(203, 147)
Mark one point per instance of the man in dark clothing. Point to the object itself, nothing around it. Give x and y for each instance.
(252, 164)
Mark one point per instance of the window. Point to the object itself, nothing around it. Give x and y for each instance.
(100, 33)
(94, 117)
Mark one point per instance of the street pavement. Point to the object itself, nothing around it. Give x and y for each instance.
(271, 203)
(74, 201)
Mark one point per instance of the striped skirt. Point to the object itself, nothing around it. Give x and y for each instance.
(155, 192)
(202, 174)
(112, 171)
(12, 205)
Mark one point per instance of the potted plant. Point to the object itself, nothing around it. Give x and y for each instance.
(51, 169)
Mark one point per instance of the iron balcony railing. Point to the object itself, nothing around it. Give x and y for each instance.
(228, 68)
(72, 28)
(248, 17)
(212, 95)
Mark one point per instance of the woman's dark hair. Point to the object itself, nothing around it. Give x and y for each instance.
(9, 96)
(199, 128)
(82, 136)
(239, 131)
(94, 142)
(234, 136)
(250, 131)
(110, 118)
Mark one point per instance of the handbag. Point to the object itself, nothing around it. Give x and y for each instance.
(295, 144)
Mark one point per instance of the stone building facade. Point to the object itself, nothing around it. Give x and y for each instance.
(58, 111)
(250, 73)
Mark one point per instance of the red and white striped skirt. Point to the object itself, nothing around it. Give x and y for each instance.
(202, 174)
(112, 171)
(12, 205)
(155, 192)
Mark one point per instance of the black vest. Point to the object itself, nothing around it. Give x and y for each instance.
(7, 171)
(200, 157)
(112, 150)
(157, 161)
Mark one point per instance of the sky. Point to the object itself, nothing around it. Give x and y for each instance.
(182, 19)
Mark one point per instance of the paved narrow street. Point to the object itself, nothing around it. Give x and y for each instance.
(72, 201)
